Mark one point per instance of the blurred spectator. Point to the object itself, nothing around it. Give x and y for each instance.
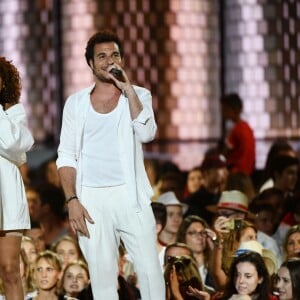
(293, 216)
(292, 242)
(195, 233)
(241, 182)
(34, 202)
(279, 147)
(51, 213)
(75, 278)
(28, 245)
(180, 273)
(264, 217)
(29, 286)
(239, 141)
(67, 248)
(285, 170)
(47, 173)
(36, 233)
(194, 181)
(160, 215)
(47, 207)
(172, 182)
(287, 280)
(202, 201)
(152, 170)
(175, 210)
(177, 249)
(28, 281)
(275, 198)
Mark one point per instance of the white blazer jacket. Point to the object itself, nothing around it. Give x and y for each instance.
(131, 134)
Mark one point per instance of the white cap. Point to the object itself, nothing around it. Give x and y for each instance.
(169, 198)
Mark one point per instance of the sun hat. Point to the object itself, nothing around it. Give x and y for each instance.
(267, 255)
(252, 245)
(169, 198)
(235, 200)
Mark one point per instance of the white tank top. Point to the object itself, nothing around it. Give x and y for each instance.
(101, 163)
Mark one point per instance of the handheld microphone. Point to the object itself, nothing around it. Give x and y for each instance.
(117, 74)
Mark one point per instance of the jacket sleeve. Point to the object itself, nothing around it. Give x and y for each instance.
(67, 146)
(15, 137)
(144, 125)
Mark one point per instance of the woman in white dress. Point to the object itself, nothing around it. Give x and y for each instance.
(15, 141)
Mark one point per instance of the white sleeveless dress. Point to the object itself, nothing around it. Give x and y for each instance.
(15, 141)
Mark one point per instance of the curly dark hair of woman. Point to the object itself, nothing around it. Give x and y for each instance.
(11, 83)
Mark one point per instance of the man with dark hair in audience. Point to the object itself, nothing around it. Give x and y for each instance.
(284, 170)
(52, 213)
(274, 198)
(37, 234)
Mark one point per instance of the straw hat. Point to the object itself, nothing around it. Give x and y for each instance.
(169, 198)
(267, 255)
(235, 200)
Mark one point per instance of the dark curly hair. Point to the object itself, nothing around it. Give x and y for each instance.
(11, 83)
(103, 36)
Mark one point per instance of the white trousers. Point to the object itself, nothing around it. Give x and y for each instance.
(114, 219)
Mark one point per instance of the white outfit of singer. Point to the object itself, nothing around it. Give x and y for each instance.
(129, 217)
(15, 141)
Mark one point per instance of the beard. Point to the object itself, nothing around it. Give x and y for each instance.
(100, 76)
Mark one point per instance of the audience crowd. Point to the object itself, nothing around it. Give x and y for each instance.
(221, 233)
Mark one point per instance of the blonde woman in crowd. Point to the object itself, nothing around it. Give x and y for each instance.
(75, 278)
(292, 242)
(67, 249)
(28, 281)
(183, 280)
(47, 273)
(29, 247)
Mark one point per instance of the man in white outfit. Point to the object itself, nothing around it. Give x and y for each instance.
(100, 163)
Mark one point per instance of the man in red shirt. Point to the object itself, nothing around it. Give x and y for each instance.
(239, 141)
